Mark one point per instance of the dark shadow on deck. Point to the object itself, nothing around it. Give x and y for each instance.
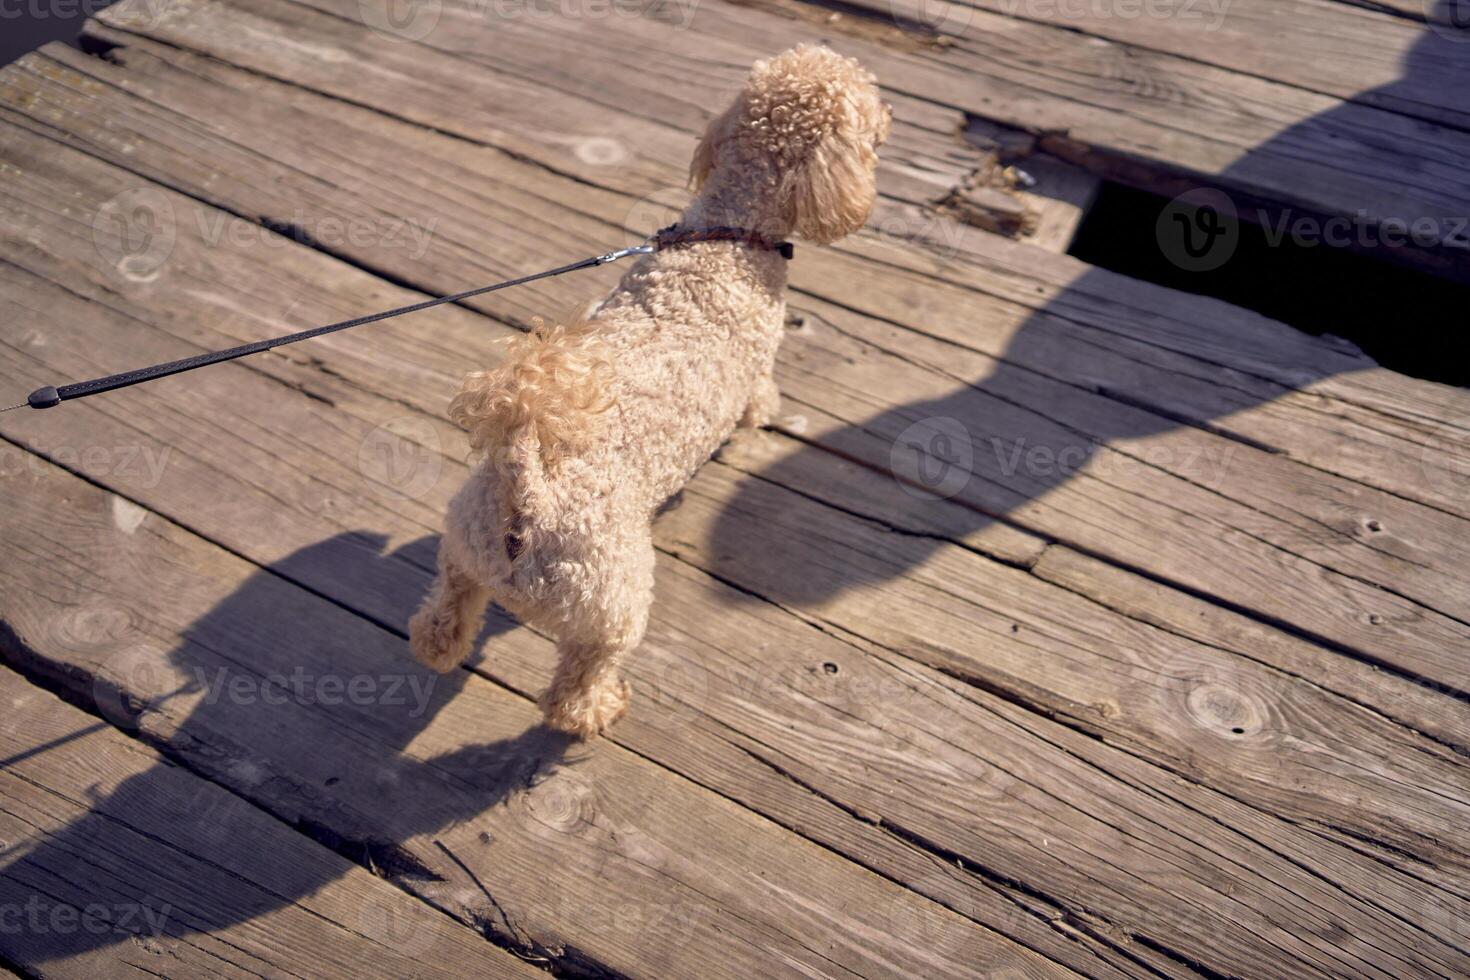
(472, 779)
(1016, 455)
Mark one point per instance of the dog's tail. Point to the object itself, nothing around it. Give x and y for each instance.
(546, 400)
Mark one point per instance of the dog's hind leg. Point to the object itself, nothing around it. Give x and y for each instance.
(765, 402)
(441, 632)
(588, 693)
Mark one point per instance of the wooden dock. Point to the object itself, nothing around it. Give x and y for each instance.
(1154, 659)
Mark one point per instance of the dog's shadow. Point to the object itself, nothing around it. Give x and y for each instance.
(977, 446)
(63, 867)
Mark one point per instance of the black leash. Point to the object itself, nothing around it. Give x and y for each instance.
(50, 395)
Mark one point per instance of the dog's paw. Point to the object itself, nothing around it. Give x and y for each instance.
(764, 405)
(586, 713)
(437, 645)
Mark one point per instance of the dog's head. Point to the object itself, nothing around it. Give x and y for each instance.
(806, 127)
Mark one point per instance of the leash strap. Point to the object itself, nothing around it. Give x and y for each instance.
(50, 396)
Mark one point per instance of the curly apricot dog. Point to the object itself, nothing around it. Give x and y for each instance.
(588, 428)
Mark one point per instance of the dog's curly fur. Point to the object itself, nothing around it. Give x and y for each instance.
(587, 428)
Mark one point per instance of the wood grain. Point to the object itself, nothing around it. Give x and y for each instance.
(688, 634)
(449, 788)
(1111, 107)
(1327, 46)
(1307, 533)
(115, 860)
(924, 738)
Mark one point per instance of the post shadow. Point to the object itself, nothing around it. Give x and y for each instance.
(979, 447)
(473, 778)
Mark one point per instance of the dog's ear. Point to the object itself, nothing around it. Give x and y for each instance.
(715, 133)
(821, 118)
(830, 192)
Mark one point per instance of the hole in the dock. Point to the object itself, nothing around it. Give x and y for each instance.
(829, 667)
(1238, 730)
(99, 48)
(1406, 320)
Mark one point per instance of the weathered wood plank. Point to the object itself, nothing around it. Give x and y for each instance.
(314, 522)
(113, 859)
(1143, 915)
(1059, 283)
(1256, 352)
(1354, 53)
(1318, 399)
(1313, 530)
(235, 671)
(927, 159)
(868, 494)
(311, 533)
(629, 85)
(1036, 443)
(778, 742)
(1261, 736)
(1244, 341)
(1101, 104)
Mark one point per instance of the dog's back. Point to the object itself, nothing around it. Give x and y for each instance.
(588, 428)
(611, 415)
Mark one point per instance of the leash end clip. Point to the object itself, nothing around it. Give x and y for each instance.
(622, 253)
